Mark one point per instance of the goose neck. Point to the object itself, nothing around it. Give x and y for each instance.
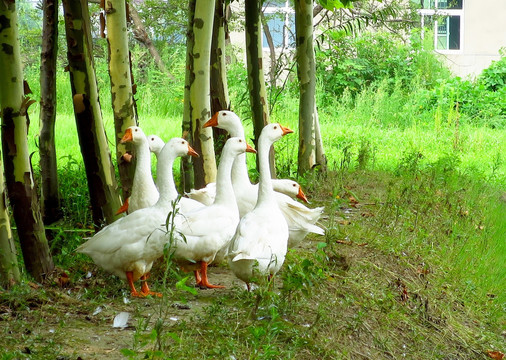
(265, 191)
(240, 171)
(165, 179)
(224, 189)
(240, 168)
(143, 157)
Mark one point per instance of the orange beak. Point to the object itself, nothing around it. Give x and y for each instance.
(285, 130)
(192, 152)
(127, 137)
(250, 149)
(302, 196)
(213, 121)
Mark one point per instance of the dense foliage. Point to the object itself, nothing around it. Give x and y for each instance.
(384, 65)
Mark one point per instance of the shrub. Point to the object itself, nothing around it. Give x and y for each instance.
(493, 78)
(472, 102)
(353, 64)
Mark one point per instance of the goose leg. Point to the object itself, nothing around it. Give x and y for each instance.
(130, 279)
(145, 288)
(198, 279)
(205, 282)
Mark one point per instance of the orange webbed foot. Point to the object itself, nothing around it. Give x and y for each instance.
(204, 283)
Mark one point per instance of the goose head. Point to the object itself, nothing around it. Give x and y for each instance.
(236, 146)
(274, 132)
(290, 188)
(227, 120)
(179, 147)
(133, 134)
(155, 144)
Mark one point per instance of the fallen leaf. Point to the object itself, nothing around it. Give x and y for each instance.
(121, 320)
(97, 310)
(63, 280)
(403, 290)
(367, 214)
(494, 354)
(353, 201)
(344, 222)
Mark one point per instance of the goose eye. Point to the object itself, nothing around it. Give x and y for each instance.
(182, 142)
(275, 127)
(294, 185)
(224, 114)
(240, 140)
(136, 129)
(152, 139)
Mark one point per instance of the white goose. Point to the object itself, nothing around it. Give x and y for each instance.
(260, 242)
(285, 186)
(185, 204)
(156, 144)
(126, 247)
(301, 219)
(207, 230)
(144, 192)
(290, 188)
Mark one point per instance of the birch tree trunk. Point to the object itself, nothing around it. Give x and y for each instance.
(141, 35)
(18, 173)
(309, 136)
(219, 85)
(92, 138)
(48, 169)
(186, 162)
(200, 102)
(121, 86)
(272, 51)
(9, 270)
(256, 78)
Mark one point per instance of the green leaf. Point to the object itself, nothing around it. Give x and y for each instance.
(321, 245)
(153, 335)
(336, 4)
(128, 352)
(181, 285)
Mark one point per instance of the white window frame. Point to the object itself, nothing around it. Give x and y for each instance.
(445, 12)
(286, 10)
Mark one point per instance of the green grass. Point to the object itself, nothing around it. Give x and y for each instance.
(429, 284)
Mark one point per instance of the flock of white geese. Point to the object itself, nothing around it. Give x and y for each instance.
(251, 225)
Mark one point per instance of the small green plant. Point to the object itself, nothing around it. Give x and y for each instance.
(152, 344)
(301, 275)
(347, 154)
(410, 163)
(496, 165)
(366, 154)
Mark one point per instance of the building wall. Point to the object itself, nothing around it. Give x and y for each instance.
(484, 33)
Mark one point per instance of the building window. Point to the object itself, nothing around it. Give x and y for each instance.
(447, 19)
(280, 18)
(448, 33)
